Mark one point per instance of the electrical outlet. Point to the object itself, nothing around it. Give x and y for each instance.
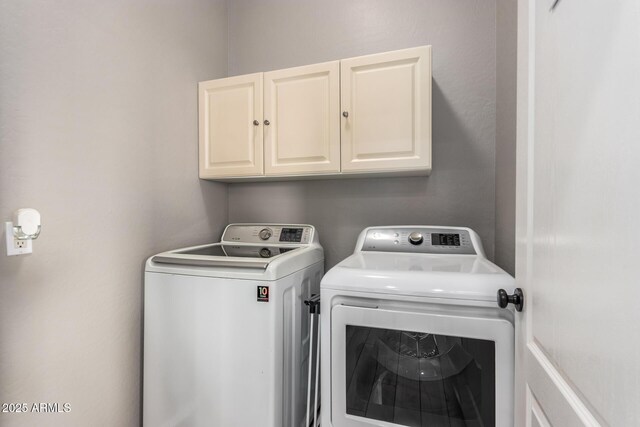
(16, 246)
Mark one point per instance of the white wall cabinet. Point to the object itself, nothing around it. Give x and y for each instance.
(386, 102)
(356, 117)
(301, 106)
(230, 128)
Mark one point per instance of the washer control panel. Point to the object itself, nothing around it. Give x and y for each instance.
(427, 240)
(268, 233)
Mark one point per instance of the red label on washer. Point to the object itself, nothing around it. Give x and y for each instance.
(263, 294)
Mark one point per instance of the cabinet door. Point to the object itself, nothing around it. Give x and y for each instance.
(302, 109)
(231, 126)
(386, 119)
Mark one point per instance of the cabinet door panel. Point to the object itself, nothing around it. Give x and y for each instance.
(388, 100)
(302, 105)
(230, 143)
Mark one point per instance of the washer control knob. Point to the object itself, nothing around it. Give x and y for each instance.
(415, 238)
(265, 253)
(265, 233)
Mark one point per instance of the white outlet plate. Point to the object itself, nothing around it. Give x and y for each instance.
(15, 246)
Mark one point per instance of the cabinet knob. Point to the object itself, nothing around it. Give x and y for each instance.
(256, 123)
(267, 122)
(345, 114)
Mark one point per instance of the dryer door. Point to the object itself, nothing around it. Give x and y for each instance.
(401, 368)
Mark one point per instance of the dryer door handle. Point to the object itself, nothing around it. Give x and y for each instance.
(360, 305)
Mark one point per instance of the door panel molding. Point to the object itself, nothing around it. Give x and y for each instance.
(562, 404)
(535, 414)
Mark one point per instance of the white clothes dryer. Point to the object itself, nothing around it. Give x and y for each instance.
(226, 332)
(411, 333)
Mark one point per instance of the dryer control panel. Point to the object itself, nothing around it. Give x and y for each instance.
(420, 239)
(269, 233)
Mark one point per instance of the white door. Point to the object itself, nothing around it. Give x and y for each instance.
(302, 119)
(578, 216)
(386, 103)
(230, 119)
(410, 368)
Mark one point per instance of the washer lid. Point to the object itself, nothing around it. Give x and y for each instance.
(224, 255)
(468, 277)
(242, 261)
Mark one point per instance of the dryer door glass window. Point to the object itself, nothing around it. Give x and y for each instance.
(419, 379)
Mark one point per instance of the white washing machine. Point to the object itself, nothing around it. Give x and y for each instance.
(226, 331)
(412, 335)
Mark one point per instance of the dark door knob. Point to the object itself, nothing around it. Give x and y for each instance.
(517, 299)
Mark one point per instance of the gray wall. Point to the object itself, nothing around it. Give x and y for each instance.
(266, 35)
(98, 130)
(506, 48)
